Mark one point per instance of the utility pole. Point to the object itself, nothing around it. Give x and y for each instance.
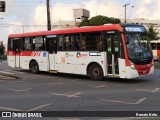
(48, 15)
(125, 11)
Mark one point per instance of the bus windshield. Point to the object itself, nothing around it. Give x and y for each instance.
(139, 49)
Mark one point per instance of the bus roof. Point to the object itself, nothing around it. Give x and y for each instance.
(71, 30)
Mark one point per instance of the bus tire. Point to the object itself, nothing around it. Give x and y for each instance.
(34, 67)
(96, 72)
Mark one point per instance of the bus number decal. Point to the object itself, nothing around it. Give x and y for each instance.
(35, 53)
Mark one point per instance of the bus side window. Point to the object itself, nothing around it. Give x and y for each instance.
(38, 43)
(26, 44)
(77, 42)
(61, 42)
(10, 44)
(17, 44)
(67, 42)
(72, 42)
(99, 42)
(83, 42)
(91, 41)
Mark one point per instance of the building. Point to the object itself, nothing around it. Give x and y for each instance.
(64, 24)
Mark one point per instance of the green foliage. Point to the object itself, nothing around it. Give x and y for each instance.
(99, 20)
(85, 22)
(153, 33)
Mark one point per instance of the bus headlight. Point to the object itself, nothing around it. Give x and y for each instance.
(132, 65)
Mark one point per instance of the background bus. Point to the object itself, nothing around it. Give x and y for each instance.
(156, 49)
(97, 51)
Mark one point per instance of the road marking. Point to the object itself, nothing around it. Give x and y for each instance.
(22, 90)
(13, 71)
(39, 107)
(6, 72)
(152, 91)
(16, 82)
(138, 102)
(6, 77)
(54, 83)
(141, 100)
(73, 95)
(9, 109)
(11, 89)
(155, 90)
(100, 86)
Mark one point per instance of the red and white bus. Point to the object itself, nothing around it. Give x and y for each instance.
(156, 49)
(113, 50)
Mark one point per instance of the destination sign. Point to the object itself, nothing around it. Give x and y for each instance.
(135, 29)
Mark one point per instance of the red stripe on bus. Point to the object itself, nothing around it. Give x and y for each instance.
(24, 53)
(125, 51)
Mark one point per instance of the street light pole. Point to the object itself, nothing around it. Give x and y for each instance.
(48, 16)
(125, 11)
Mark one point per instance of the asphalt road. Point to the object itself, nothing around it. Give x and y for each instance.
(21, 90)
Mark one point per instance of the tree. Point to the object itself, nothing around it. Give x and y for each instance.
(85, 22)
(99, 20)
(153, 33)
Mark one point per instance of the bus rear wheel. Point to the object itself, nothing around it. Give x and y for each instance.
(96, 72)
(34, 67)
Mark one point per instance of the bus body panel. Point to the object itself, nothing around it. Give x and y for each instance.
(51, 62)
(151, 70)
(77, 62)
(122, 68)
(139, 70)
(11, 61)
(131, 72)
(25, 58)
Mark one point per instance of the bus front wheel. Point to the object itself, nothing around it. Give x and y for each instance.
(34, 67)
(96, 72)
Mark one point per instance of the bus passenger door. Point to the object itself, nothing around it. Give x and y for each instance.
(17, 51)
(52, 49)
(112, 54)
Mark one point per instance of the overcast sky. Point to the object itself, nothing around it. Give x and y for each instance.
(33, 12)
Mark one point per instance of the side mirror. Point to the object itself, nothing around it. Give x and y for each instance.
(127, 41)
